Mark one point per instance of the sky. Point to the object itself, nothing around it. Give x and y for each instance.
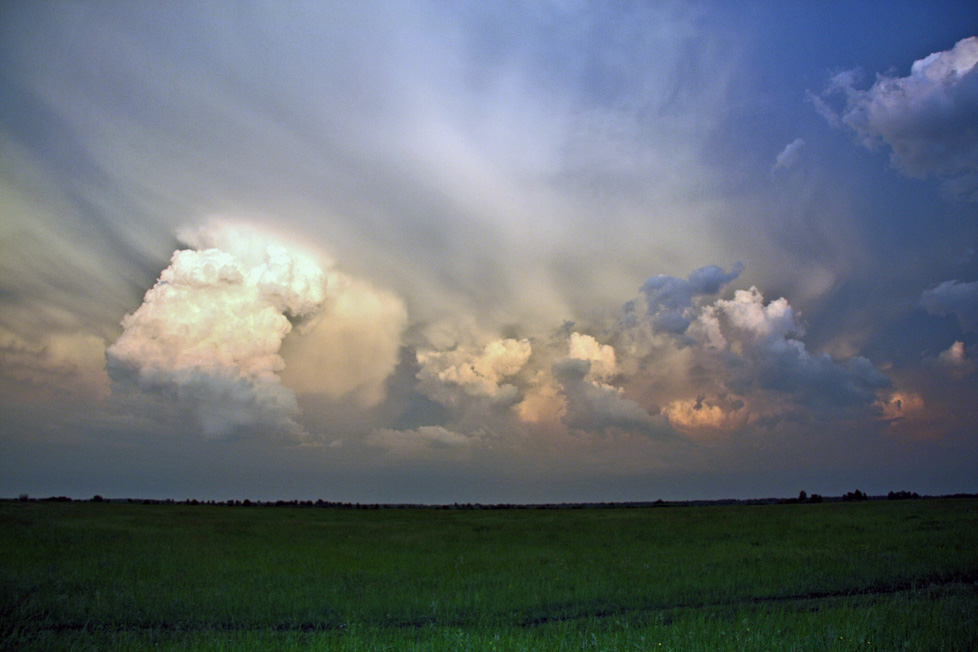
(444, 252)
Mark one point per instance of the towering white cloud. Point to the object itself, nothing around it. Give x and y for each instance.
(209, 334)
(929, 118)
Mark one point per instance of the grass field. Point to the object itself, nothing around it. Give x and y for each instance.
(876, 575)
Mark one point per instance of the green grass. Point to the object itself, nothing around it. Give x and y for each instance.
(834, 576)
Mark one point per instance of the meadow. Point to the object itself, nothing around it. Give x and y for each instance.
(873, 575)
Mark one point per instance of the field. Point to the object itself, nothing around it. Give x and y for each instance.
(875, 575)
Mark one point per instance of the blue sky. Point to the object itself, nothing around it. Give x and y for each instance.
(439, 252)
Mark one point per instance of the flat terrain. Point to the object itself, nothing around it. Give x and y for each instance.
(876, 575)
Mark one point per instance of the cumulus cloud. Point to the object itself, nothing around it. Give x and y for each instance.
(954, 298)
(758, 334)
(789, 155)
(747, 318)
(929, 118)
(602, 359)
(734, 362)
(559, 384)
(670, 300)
(703, 414)
(476, 374)
(208, 334)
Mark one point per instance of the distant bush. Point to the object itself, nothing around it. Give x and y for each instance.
(97, 498)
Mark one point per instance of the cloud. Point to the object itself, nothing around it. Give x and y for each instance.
(595, 406)
(758, 334)
(349, 347)
(706, 415)
(739, 362)
(902, 405)
(586, 398)
(929, 119)
(418, 441)
(956, 362)
(543, 403)
(209, 332)
(669, 300)
(463, 180)
(748, 318)
(823, 108)
(443, 373)
(817, 380)
(954, 298)
(513, 389)
(56, 367)
(789, 155)
(603, 364)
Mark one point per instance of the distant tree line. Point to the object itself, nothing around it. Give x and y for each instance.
(902, 495)
(854, 496)
(803, 497)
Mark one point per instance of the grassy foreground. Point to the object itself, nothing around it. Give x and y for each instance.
(878, 575)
